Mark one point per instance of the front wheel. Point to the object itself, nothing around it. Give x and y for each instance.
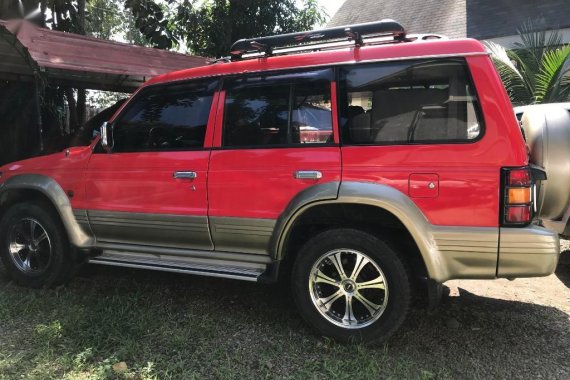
(351, 286)
(34, 247)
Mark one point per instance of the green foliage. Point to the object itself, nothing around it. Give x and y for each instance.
(208, 28)
(57, 14)
(151, 20)
(104, 99)
(104, 18)
(553, 78)
(537, 70)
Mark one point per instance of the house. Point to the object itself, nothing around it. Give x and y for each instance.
(495, 20)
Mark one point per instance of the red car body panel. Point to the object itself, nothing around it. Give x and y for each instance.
(68, 169)
(259, 183)
(144, 182)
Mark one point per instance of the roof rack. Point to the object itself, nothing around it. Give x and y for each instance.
(312, 40)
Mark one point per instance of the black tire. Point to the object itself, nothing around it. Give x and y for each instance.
(397, 292)
(60, 265)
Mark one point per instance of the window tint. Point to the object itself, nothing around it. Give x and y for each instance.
(165, 118)
(273, 111)
(408, 102)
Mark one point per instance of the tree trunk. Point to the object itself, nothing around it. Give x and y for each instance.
(229, 26)
(43, 7)
(81, 107)
(81, 92)
(73, 119)
(57, 18)
(81, 15)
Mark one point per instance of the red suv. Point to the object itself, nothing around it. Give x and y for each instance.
(351, 162)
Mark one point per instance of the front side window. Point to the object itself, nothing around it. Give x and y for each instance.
(165, 118)
(278, 111)
(428, 101)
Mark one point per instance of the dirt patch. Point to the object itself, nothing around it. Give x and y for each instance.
(507, 329)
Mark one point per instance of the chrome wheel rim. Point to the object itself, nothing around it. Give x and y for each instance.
(30, 246)
(348, 288)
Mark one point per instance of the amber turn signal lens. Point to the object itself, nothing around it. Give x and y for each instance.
(518, 196)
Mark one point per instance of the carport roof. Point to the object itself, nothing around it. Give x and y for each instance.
(82, 61)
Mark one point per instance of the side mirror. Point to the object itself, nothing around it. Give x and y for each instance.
(106, 142)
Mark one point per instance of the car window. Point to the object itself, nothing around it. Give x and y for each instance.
(408, 102)
(165, 118)
(279, 110)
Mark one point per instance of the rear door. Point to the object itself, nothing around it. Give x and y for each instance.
(151, 190)
(274, 139)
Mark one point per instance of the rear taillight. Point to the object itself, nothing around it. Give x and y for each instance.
(517, 196)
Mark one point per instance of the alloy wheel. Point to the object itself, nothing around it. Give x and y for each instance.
(348, 288)
(30, 246)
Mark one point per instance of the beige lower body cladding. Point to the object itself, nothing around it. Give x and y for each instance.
(473, 252)
(528, 252)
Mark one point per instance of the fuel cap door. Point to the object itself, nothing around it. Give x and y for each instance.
(423, 185)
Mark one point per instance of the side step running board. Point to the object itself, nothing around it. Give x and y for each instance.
(155, 262)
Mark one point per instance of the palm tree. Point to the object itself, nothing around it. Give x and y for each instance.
(537, 70)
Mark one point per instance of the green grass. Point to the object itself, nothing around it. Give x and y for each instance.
(166, 326)
(173, 326)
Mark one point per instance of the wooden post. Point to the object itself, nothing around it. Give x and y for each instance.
(38, 101)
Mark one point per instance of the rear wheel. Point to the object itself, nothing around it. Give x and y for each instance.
(34, 247)
(351, 286)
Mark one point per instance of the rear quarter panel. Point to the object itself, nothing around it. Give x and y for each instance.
(469, 173)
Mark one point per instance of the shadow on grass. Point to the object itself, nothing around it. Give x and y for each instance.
(178, 326)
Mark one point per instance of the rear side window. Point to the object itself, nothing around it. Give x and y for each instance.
(278, 110)
(428, 101)
(166, 118)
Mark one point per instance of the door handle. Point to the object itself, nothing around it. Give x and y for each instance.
(185, 175)
(308, 174)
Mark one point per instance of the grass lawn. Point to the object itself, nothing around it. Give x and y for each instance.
(174, 326)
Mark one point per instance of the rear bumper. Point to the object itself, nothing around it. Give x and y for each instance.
(527, 252)
(491, 252)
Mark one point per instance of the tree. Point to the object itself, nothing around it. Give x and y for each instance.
(210, 27)
(104, 18)
(537, 70)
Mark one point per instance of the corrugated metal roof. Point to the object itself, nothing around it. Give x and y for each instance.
(84, 61)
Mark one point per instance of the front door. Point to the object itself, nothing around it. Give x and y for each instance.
(151, 189)
(276, 140)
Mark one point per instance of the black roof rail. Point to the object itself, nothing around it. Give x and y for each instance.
(311, 39)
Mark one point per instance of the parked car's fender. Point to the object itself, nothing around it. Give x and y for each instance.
(442, 258)
(52, 191)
